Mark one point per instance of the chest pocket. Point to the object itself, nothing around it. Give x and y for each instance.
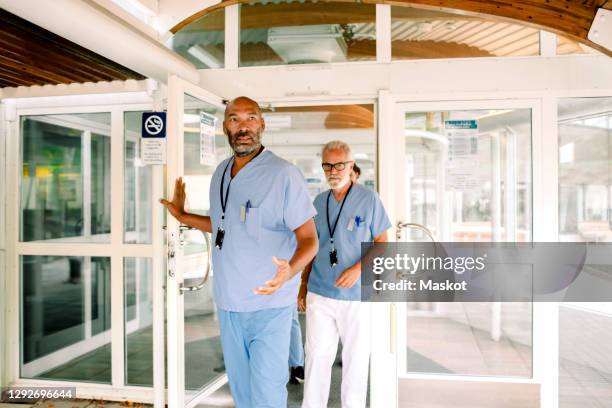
(253, 223)
(360, 229)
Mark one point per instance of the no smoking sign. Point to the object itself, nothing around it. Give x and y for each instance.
(153, 140)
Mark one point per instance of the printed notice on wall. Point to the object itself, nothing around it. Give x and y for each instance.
(462, 170)
(207, 139)
(153, 138)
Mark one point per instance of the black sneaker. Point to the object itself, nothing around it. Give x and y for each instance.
(297, 375)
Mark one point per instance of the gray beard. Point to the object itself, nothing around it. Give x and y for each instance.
(244, 153)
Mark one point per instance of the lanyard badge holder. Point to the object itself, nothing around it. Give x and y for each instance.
(221, 231)
(333, 254)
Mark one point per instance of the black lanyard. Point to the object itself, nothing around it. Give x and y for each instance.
(224, 202)
(329, 228)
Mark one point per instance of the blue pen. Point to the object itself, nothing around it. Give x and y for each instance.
(248, 205)
(357, 220)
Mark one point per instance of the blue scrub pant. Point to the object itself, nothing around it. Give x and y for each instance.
(256, 351)
(296, 348)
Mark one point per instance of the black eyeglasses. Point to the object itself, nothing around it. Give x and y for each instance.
(338, 166)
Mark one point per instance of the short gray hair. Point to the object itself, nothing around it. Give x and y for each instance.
(338, 145)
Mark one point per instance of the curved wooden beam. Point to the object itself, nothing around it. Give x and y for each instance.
(571, 18)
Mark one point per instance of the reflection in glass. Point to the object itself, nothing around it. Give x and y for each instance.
(138, 319)
(585, 358)
(424, 34)
(278, 33)
(65, 314)
(202, 337)
(585, 169)
(566, 46)
(202, 41)
(298, 133)
(138, 212)
(65, 180)
(468, 179)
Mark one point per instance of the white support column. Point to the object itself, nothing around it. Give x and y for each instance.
(232, 36)
(383, 33)
(496, 223)
(117, 286)
(3, 231)
(86, 177)
(510, 187)
(545, 229)
(87, 295)
(12, 211)
(159, 276)
(383, 377)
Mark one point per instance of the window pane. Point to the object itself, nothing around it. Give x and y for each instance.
(202, 41)
(298, 134)
(585, 169)
(138, 179)
(65, 314)
(422, 34)
(279, 33)
(65, 179)
(138, 281)
(566, 46)
(585, 358)
(468, 179)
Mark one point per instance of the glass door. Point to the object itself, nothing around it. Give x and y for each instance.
(466, 177)
(195, 360)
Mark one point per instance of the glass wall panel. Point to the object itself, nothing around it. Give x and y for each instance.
(138, 185)
(423, 34)
(285, 32)
(138, 318)
(566, 46)
(468, 179)
(65, 178)
(585, 169)
(65, 315)
(202, 41)
(298, 134)
(202, 336)
(585, 358)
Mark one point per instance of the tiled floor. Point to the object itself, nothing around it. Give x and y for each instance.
(456, 342)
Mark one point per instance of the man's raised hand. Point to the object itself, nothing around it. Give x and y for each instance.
(176, 207)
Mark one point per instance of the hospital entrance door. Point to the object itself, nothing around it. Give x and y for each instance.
(195, 145)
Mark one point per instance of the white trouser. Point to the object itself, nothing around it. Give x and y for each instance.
(326, 320)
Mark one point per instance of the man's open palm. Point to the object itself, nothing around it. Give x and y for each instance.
(176, 207)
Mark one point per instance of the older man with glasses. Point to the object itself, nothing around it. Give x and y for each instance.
(347, 215)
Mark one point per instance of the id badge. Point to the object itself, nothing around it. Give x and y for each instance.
(333, 257)
(351, 224)
(219, 238)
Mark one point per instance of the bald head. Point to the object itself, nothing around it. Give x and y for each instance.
(242, 102)
(243, 125)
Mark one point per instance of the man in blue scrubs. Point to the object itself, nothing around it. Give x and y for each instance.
(261, 222)
(347, 215)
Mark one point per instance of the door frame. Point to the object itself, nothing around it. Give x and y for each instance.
(544, 328)
(177, 89)
(116, 105)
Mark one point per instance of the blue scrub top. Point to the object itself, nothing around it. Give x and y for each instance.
(279, 204)
(363, 218)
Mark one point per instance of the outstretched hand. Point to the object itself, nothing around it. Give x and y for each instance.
(176, 207)
(283, 272)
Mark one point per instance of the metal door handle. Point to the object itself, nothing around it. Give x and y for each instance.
(401, 225)
(182, 287)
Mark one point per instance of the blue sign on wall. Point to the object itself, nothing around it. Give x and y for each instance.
(154, 124)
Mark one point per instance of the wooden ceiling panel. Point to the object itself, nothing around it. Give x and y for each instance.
(31, 55)
(571, 18)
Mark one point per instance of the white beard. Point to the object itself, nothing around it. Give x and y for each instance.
(336, 184)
